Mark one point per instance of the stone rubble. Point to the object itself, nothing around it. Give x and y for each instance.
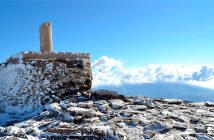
(115, 117)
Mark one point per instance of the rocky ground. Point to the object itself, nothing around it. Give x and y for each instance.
(107, 115)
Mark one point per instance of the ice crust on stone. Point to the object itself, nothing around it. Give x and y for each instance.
(12, 77)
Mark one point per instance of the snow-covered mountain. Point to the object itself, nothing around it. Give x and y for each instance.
(195, 83)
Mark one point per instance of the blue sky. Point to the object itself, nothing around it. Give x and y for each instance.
(138, 32)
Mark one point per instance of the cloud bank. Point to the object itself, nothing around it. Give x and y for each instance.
(109, 71)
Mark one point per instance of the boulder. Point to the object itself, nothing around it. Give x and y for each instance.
(107, 95)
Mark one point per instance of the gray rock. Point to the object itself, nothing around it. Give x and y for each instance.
(116, 103)
(107, 95)
(143, 101)
(85, 112)
(157, 127)
(85, 104)
(204, 137)
(209, 104)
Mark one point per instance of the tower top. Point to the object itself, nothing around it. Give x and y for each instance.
(45, 30)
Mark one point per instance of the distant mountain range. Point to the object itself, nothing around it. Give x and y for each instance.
(194, 83)
(165, 90)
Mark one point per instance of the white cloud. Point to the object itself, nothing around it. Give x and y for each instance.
(109, 71)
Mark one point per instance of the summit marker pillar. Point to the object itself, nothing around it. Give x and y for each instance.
(46, 38)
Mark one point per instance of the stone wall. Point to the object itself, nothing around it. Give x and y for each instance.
(53, 55)
(30, 83)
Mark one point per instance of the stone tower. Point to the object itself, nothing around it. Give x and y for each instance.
(32, 78)
(46, 38)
